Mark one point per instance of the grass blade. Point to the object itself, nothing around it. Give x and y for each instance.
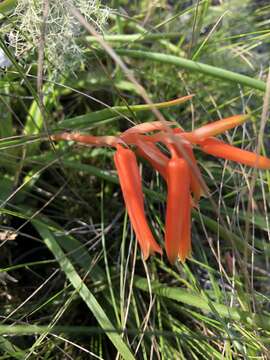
(82, 289)
(116, 111)
(198, 301)
(196, 67)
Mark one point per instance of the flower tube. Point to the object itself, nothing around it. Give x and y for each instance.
(218, 127)
(131, 186)
(195, 185)
(218, 148)
(177, 224)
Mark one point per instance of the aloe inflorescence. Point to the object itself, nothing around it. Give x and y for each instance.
(179, 169)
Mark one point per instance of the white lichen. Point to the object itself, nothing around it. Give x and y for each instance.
(62, 49)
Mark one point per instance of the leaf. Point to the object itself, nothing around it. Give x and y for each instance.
(115, 112)
(10, 348)
(82, 289)
(195, 66)
(200, 302)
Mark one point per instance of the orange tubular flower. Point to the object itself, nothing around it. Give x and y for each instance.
(177, 171)
(218, 127)
(218, 148)
(177, 224)
(130, 182)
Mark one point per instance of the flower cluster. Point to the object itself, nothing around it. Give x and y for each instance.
(177, 166)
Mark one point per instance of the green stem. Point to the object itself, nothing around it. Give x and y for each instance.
(195, 66)
(135, 37)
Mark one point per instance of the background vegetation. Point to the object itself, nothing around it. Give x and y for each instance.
(73, 283)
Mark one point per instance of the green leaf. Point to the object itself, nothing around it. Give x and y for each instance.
(82, 289)
(114, 113)
(200, 302)
(196, 67)
(128, 38)
(7, 346)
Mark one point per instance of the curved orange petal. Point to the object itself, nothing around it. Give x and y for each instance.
(130, 182)
(156, 158)
(218, 148)
(195, 185)
(147, 127)
(189, 137)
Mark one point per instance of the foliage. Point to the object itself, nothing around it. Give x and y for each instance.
(73, 282)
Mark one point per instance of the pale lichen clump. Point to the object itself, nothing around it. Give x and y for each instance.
(62, 50)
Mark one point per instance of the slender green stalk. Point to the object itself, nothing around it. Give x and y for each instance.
(195, 66)
(135, 37)
(115, 112)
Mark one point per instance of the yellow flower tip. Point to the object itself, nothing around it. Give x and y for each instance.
(150, 248)
(183, 257)
(172, 259)
(145, 253)
(185, 250)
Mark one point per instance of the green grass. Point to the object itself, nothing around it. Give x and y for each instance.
(73, 282)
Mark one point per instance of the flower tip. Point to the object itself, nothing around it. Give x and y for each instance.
(154, 247)
(183, 257)
(242, 117)
(150, 249)
(158, 250)
(145, 254)
(172, 259)
(239, 119)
